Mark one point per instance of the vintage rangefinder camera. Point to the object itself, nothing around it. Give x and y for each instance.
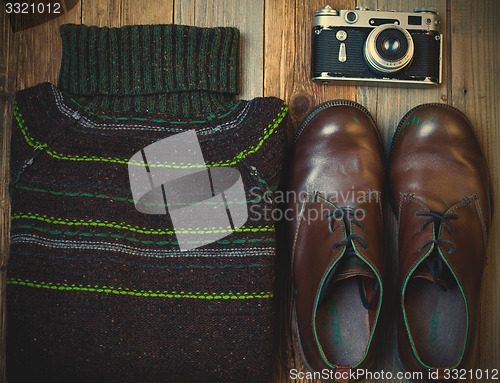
(377, 46)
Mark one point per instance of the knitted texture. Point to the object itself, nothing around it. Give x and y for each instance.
(99, 292)
(165, 68)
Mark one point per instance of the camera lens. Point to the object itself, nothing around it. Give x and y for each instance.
(391, 46)
(388, 48)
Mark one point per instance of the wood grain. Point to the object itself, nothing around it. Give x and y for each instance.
(475, 90)
(287, 52)
(116, 13)
(6, 54)
(38, 51)
(247, 16)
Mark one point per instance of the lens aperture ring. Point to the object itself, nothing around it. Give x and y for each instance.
(385, 62)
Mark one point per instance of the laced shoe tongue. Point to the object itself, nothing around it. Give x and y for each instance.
(351, 266)
(424, 273)
(444, 278)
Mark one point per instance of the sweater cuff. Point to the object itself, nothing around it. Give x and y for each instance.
(142, 60)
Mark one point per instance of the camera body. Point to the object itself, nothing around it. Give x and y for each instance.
(364, 46)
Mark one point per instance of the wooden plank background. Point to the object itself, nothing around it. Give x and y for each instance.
(275, 62)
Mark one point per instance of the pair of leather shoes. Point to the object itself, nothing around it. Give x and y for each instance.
(440, 193)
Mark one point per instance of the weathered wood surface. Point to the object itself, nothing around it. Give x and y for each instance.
(116, 13)
(287, 56)
(475, 90)
(275, 62)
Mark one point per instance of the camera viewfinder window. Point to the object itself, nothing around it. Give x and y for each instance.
(414, 20)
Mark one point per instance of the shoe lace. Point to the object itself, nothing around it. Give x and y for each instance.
(348, 214)
(434, 260)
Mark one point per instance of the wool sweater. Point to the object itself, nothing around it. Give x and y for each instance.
(98, 291)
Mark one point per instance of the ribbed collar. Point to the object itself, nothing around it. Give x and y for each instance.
(174, 69)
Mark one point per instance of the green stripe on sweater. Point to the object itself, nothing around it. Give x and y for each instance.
(130, 200)
(136, 240)
(138, 293)
(137, 229)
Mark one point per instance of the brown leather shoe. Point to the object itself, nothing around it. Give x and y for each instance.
(336, 178)
(442, 199)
